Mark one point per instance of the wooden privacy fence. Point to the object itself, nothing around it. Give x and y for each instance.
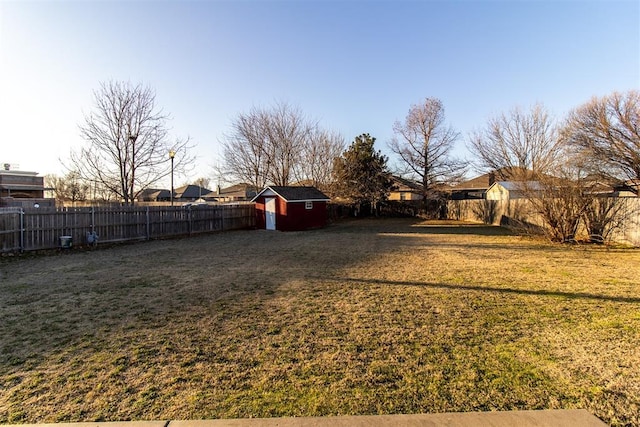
(34, 229)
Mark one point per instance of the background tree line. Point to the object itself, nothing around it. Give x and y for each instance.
(127, 146)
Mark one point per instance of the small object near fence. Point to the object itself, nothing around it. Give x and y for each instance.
(66, 242)
(42, 228)
(92, 239)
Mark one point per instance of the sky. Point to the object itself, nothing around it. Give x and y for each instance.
(355, 66)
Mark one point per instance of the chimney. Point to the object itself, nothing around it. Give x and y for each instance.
(492, 178)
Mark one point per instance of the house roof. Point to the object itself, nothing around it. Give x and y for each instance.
(292, 194)
(190, 192)
(238, 188)
(17, 172)
(154, 194)
(404, 184)
(484, 181)
(477, 183)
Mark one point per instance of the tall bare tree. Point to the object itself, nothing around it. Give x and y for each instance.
(128, 142)
(246, 155)
(318, 155)
(269, 145)
(203, 182)
(517, 141)
(607, 129)
(287, 131)
(424, 143)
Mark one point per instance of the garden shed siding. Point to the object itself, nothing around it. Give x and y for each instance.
(296, 208)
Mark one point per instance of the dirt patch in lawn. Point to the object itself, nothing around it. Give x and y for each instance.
(363, 317)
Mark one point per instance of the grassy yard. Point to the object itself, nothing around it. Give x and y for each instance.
(363, 317)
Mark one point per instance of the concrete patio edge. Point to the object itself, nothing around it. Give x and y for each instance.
(542, 418)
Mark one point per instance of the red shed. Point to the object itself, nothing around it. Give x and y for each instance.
(290, 208)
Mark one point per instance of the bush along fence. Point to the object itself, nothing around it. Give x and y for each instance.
(35, 229)
(624, 226)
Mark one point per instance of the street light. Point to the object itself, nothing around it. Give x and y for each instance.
(172, 154)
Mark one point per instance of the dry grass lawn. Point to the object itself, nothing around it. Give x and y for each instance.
(363, 317)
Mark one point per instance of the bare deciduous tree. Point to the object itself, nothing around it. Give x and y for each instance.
(572, 199)
(273, 146)
(287, 131)
(318, 155)
(127, 142)
(560, 202)
(604, 216)
(245, 149)
(203, 182)
(607, 129)
(517, 141)
(424, 143)
(69, 188)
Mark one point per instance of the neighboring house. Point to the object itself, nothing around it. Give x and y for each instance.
(189, 193)
(196, 193)
(20, 184)
(22, 189)
(186, 193)
(290, 208)
(473, 188)
(476, 188)
(612, 190)
(235, 193)
(404, 189)
(630, 188)
(154, 195)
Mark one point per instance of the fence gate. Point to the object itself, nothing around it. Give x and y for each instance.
(11, 229)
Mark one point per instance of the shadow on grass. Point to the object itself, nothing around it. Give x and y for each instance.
(189, 306)
(419, 226)
(570, 295)
(463, 229)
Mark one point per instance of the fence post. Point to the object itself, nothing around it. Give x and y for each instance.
(148, 224)
(21, 229)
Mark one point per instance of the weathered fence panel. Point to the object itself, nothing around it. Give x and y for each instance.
(34, 229)
(10, 229)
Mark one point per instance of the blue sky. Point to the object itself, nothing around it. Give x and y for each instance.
(356, 66)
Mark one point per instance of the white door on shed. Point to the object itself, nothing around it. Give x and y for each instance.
(270, 213)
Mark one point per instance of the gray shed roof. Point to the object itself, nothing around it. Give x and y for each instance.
(520, 185)
(292, 194)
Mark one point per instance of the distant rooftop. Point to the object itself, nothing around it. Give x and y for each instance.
(14, 169)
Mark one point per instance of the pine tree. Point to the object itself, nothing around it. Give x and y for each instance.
(360, 173)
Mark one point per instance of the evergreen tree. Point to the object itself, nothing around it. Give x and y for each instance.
(361, 174)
